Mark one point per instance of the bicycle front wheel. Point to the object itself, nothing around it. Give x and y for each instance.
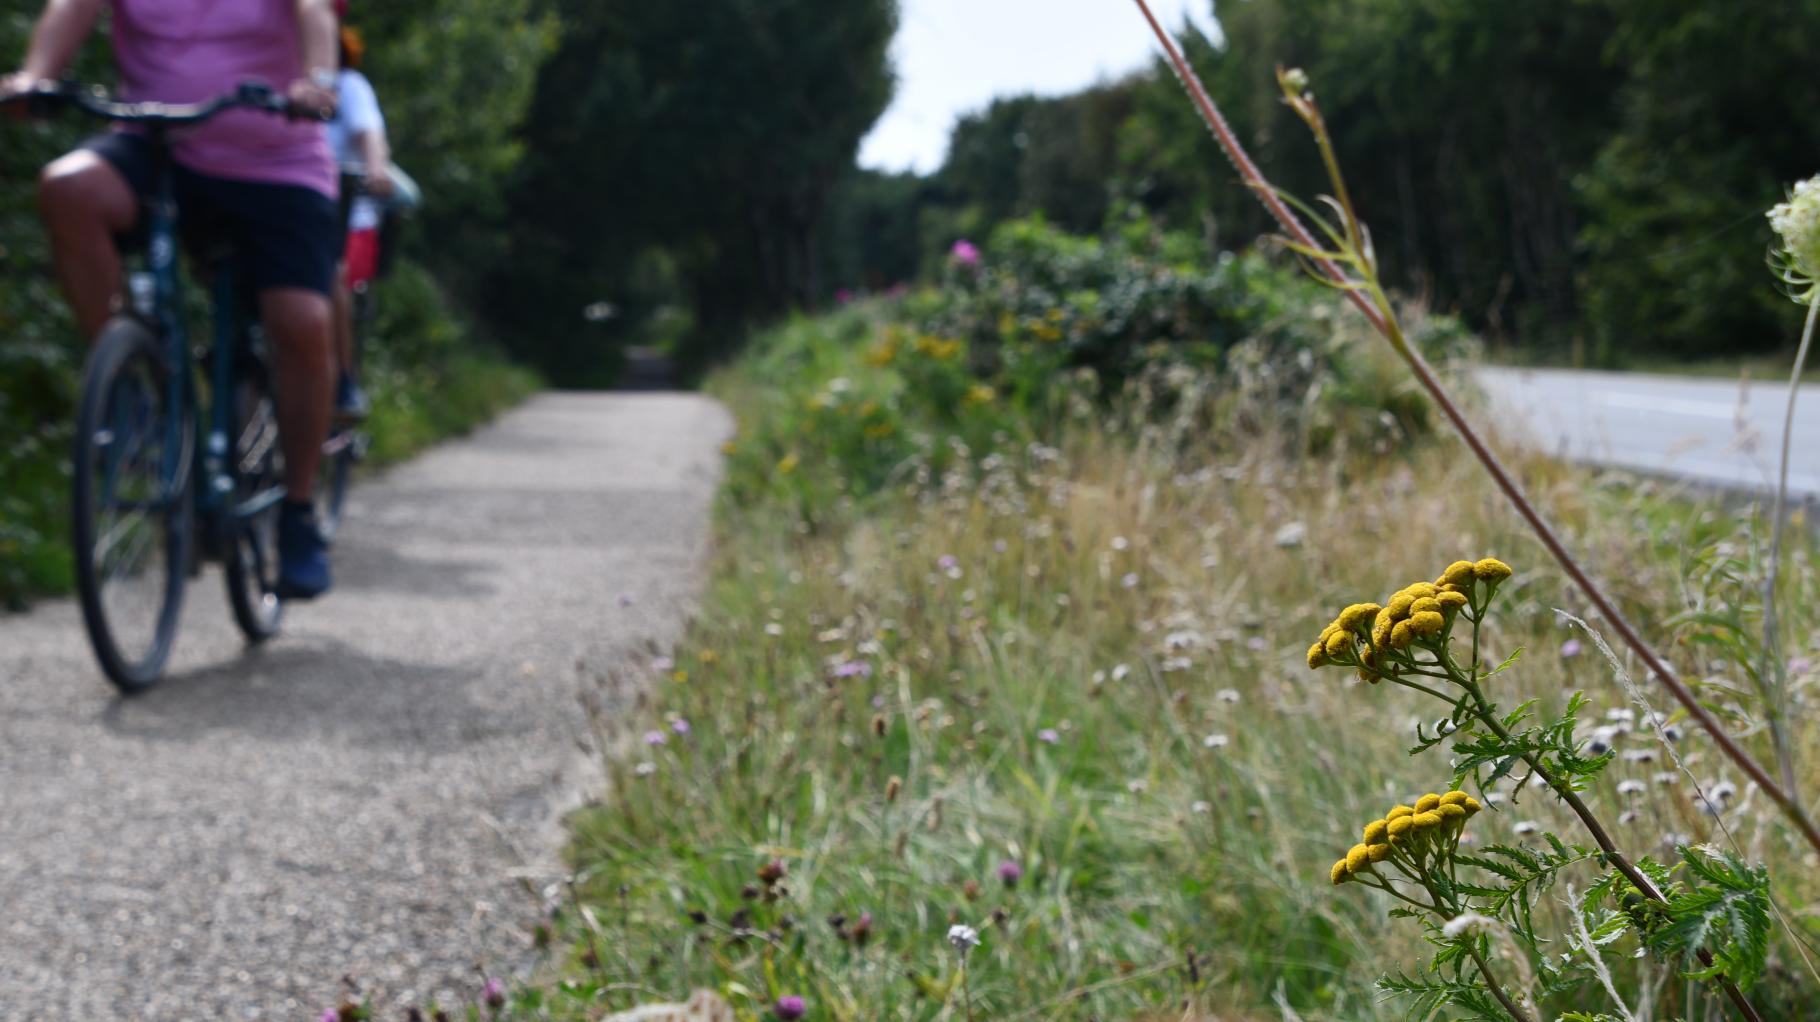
(131, 504)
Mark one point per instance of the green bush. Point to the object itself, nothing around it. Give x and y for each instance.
(1045, 326)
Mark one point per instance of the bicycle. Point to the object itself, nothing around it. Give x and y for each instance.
(139, 502)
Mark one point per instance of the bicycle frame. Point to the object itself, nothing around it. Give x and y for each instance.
(215, 483)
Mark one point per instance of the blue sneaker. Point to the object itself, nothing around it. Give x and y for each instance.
(303, 555)
(351, 404)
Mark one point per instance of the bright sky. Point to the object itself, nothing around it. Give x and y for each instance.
(954, 56)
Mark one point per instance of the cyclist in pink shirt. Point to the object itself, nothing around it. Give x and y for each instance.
(267, 183)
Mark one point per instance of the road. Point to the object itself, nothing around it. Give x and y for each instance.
(362, 796)
(1715, 432)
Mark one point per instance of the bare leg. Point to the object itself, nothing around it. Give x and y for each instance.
(301, 325)
(85, 202)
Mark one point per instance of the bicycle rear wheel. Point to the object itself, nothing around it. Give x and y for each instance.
(131, 505)
(252, 520)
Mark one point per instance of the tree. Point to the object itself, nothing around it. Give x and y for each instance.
(711, 132)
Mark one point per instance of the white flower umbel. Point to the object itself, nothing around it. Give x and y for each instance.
(1797, 225)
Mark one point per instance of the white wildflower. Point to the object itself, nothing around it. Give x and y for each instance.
(1797, 223)
(1632, 787)
(1469, 923)
(1215, 741)
(963, 938)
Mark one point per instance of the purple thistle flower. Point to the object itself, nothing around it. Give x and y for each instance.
(789, 1008)
(681, 727)
(965, 253)
(853, 669)
(495, 993)
(947, 561)
(1049, 736)
(1009, 873)
(329, 1015)
(655, 738)
(1571, 648)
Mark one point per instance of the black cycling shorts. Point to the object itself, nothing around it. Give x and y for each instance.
(285, 235)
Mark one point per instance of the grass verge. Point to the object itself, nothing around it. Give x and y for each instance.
(1055, 691)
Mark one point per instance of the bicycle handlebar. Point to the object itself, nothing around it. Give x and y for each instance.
(95, 102)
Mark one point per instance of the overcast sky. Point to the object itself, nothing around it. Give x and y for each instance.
(954, 56)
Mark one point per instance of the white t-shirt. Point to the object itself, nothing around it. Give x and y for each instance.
(356, 113)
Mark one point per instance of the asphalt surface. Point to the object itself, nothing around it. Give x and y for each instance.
(1717, 432)
(365, 795)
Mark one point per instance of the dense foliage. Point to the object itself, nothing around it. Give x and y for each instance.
(1569, 175)
(682, 152)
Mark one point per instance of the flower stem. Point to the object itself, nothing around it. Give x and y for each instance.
(1777, 675)
(1482, 710)
(1491, 982)
(1384, 323)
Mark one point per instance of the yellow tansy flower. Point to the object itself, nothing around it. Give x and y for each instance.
(1459, 573)
(1401, 636)
(1375, 831)
(1491, 569)
(1377, 852)
(1454, 798)
(1426, 623)
(1397, 811)
(1317, 656)
(1427, 802)
(1424, 605)
(1338, 874)
(1450, 601)
(1357, 858)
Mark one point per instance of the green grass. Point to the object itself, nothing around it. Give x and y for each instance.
(1086, 658)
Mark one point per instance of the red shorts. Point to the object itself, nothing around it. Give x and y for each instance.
(362, 256)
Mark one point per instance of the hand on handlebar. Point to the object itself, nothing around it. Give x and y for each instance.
(379, 184)
(13, 86)
(307, 98)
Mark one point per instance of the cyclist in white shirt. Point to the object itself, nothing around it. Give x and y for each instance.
(357, 137)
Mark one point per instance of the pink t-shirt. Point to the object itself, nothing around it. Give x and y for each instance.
(185, 51)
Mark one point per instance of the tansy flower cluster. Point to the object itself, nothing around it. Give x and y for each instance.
(1373, 637)
(1412, 839)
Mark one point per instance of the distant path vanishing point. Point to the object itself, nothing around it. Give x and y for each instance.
(1716, 432)
(365, 795)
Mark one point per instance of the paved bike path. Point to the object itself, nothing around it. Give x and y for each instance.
(361, 796)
